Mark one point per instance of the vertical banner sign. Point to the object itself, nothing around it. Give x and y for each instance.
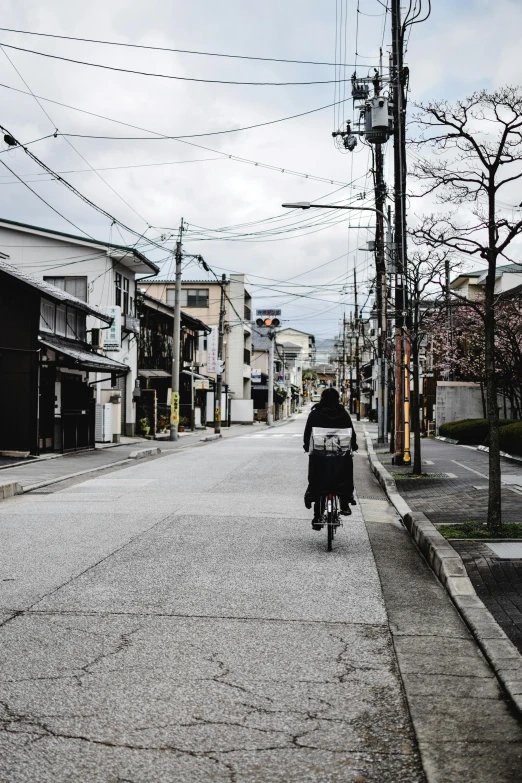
(212, 351)
(112, 337)
(174, 408)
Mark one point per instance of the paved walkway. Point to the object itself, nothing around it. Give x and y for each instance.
(179, 620)
(464, 498)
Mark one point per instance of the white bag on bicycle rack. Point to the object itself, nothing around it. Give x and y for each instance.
(326, 440)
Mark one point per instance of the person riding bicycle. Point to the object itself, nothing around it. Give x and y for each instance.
(331, 414)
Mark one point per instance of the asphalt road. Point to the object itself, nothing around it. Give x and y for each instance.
(180, 620)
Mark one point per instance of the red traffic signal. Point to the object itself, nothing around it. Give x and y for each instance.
(268, 322)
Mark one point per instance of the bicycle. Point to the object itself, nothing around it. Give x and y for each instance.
(331, 516)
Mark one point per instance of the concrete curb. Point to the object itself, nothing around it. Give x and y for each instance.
(10, 488)
(208, 438)
(499, 651)
(144, 453)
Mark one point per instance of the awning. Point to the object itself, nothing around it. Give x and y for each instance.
(259, 387)
(82, 357)
(153, 374)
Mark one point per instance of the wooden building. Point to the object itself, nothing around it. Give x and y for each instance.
(46, 397)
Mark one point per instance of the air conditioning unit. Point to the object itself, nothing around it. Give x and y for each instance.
(103, 423)
(97, 338)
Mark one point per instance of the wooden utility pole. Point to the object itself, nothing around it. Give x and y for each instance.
(176, 341)
(219, 375)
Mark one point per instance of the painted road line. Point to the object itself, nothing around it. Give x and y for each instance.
(483, 475)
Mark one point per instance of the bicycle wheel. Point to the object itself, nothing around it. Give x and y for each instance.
(330, 520)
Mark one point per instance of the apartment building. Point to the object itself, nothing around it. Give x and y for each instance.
(201, 299)
(303, 339)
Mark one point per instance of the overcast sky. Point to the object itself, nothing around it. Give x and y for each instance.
(462, 47)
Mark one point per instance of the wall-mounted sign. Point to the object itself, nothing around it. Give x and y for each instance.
(256, 375)
(112, 339)
(267, 313)
(212, 350)
(201, 383)
(174, 409)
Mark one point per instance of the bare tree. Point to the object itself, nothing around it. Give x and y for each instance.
(425, 285)
(477, 146)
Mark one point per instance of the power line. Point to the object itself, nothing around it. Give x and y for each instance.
(199, 135)
(225, 155)
(168, 49)
(165, 75)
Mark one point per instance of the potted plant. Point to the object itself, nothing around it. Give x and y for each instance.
(183, 421)
(144, 425)
(163, 422)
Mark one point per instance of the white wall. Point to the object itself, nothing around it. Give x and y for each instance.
(242, 411)
(459, 400)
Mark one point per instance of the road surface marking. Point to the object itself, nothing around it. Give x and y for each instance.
(483, 475)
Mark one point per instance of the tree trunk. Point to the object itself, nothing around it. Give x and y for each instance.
(483, 400)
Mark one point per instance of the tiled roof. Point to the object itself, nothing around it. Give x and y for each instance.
(51, 291)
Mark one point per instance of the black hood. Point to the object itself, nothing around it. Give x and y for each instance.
(330, 413)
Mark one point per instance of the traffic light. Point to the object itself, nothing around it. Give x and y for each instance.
(268, 322)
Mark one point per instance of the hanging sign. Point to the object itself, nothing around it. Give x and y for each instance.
(112, 336)
(212, 350)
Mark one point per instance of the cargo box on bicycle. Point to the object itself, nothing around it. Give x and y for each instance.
(329, 441)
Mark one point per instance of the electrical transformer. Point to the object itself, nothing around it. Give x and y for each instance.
(378, 120)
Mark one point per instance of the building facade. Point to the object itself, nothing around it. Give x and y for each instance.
(98, 273)
(47, 394)
(202, 300)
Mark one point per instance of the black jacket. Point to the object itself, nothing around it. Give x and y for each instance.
(328, 417)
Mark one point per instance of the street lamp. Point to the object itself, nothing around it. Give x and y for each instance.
(309, 205)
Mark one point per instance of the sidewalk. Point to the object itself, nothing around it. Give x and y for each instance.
(464, 498)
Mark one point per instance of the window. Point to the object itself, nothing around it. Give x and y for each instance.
(81, 328)
(47, 315)
(71, 323)
(118, 289)
(126, 295)
(197, 297)
(171, 297)
(61, 320)
(76, 286)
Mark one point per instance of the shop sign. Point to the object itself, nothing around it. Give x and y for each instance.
(201, 384)
(256, 375)
(212, 350)
(112, 338)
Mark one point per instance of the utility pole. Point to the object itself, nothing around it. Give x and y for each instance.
(380, 268)
(402, 445)
(176, 342)
(219, 375)
(344, 360)
(270, 412)
(357, 358)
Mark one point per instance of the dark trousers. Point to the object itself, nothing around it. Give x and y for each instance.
(330, 474)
